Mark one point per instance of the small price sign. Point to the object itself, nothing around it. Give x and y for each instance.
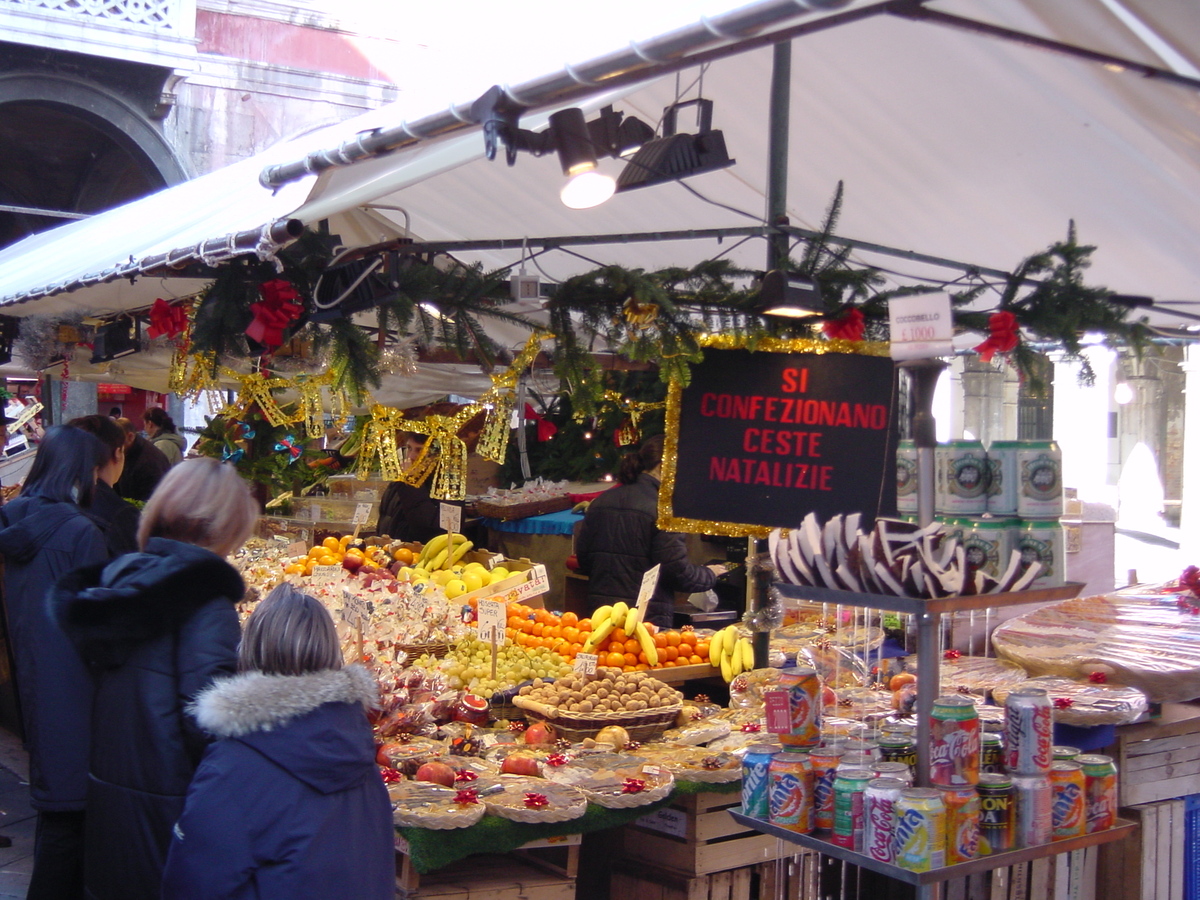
(921, 326)
(491, 620)
(646, 591)
(298, 548)
(326, 574)
(283, 538)
(537, 582)
(496, 560)
(779, 713)
(585, 663)
(449, 516)
(362, 512)
(356, 611)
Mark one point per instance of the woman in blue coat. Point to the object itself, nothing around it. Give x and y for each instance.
(156, 628)
(44, 533)
(289, 802)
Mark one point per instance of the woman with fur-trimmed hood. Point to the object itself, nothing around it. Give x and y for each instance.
(155, 628)
(289, 802)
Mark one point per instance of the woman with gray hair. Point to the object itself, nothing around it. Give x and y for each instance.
(296, 760)
(155, 628)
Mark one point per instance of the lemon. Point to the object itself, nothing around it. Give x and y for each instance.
(498, 574)
(454, 588)
(473, 580)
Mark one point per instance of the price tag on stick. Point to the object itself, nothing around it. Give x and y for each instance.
(649, 583)
(356, 612)
(491, 625)
(921, 326)
(450, 517)
(585, 663)
(362, 512)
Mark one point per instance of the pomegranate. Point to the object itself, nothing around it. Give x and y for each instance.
(436, 773)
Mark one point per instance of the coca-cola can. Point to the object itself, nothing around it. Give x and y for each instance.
(962, 824)
(1069, 803)
(1028, 732)
(879, 800)
(789, 792)
(954, 742)
(824, 764)
(1100, 786)
(898, 770)
(1033, 804)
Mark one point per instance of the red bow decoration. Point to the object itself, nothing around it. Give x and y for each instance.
(952, 654)
(516, 727)
(545, 428)
(1003, 338)
(556, 759)
(847, 327)
(1098, 678)
(466, 796)
(751, 727)
(166, 319)
(465, 775)
(536, 801)
(279, 307)
(1190, 579)
(633, 786)
(1063, 702)
(391, 776)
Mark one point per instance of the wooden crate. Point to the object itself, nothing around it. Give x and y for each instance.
(557, 856)
(1150, 865)
(695, 835)
(494, 878)
(1159, 759)
(638, 882)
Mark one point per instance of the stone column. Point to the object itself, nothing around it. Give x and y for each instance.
(983, 399)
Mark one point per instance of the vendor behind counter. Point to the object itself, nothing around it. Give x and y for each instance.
(406, 512)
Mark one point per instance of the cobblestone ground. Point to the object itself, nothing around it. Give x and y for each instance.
(17, 819)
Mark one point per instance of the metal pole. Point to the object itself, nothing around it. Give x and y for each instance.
(777, 152)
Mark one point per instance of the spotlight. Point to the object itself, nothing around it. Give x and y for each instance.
(116, 339)
(587, 189)
(569, 131)
(674, 156)
(790, 295)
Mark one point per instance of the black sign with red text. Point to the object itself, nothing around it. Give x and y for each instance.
(765, 438)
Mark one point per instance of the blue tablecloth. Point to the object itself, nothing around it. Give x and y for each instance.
(551, 523)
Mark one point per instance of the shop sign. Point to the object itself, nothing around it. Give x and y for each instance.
(760, 439)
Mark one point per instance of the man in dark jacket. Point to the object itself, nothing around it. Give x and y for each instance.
(619, 541)
(145, 465)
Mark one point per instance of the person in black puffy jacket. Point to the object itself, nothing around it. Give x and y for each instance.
(117, 517)
(289, 801)
(44, 533)
(156, 628)
(619, 541)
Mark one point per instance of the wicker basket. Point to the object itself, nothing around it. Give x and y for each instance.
(642, 726)
(568, 802)
(506, 711)
(415, 650)
(506, 511)
(412, 806)
(658, 788)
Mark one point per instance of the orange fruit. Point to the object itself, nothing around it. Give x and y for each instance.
(538, 629)
(642, 658)
(331, 543)
(403, 555)
(570, 633)
(585, 625)
(632, 646)
(685, 649)
(569, 618)
(641, 667)
(668, 665)
(660, 640)
(527, 626)
(630, 659)
(673, 639)
(626, 668)
(670, 654)
(702, 649)
(615, 659)
(695, 660)
(618, 636)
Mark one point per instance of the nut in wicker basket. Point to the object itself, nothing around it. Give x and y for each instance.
(576, 727)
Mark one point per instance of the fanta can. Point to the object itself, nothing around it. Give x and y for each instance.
(804, 707)
(920, 830)
(1069, 804)
(789, 793)
(1100, 786)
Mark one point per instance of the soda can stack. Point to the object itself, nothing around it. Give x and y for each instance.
(962, 824)
(899, 770)
(920, 830)
(879, 817)
(848, 819)
(1069, 804)
(804, 703)
(824, 764)
(756, 779)
(1100, 788)
(899, 744)
(995, 813)
(790, 792)
(1028, 754)
(954, 742)
(1064, 752)
(991, 754)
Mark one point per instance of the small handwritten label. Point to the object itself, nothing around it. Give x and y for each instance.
(585, 663)
(326, 574)
(779, 713)
(649, 583)
(362, 512)
(298, 548)
(449, 516)
(491, 620)
(496, 560)
(283, 538)
(356, 611)
(668, 821)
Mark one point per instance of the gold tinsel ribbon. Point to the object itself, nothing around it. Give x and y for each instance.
(447, 451)
(379, 440)
(501, 398)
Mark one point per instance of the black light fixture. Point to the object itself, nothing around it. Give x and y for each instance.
(675, 155)
(789, 295)
(578, 142)
(116, 339)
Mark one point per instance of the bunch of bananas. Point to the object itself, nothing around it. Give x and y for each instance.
(730, 653)
(621, 615)
(443, 552)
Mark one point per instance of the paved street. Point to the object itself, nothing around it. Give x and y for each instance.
(16, 818)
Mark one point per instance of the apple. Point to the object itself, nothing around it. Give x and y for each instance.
(613, 734)
(515, 764)
(436, 773)
(828, 697)
(383, 754)
(899, 681)
(352, 563)
(539, 733)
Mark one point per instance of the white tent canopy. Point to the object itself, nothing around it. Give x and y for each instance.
(951, 144)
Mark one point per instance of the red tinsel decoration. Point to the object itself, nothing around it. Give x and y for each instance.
(467, 796)
(1003, 338)
(516, 727)
(536, 801)
(1190, 579)
(633, 786)
(166, 319)
(849, 326)
(280, 306)
(1063, 702)
(1098, 678)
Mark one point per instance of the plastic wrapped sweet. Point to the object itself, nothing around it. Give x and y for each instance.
(747, 689)
(1086, 704)
(975, 675)
(1141, 637)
